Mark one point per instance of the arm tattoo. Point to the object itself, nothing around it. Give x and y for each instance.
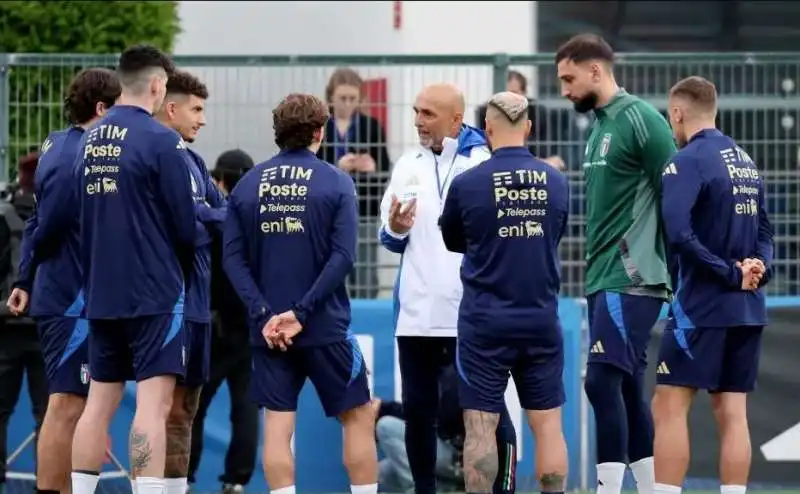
(179, 435)
(480, 450)
(141, 452)
(552, 482)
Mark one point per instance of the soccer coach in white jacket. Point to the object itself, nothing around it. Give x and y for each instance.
(428, 288)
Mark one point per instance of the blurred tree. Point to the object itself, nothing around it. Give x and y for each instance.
(36, 88)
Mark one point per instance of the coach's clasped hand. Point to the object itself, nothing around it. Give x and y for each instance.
(280, 329)
(401, 215)
(752, 272)
(18, 301)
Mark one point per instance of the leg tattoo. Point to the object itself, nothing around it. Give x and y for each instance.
(480, 450)
(552, 482)
(179, 434)
(141, 452)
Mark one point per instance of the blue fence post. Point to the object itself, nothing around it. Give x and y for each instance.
(5, 120)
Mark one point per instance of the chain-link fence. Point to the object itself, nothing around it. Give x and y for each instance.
(758, 100)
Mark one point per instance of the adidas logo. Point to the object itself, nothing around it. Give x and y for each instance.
(597, 348)
(671, 169)
(662, 368)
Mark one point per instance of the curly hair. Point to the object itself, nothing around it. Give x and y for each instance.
(89, 87)
(181, 82)
(296, 119)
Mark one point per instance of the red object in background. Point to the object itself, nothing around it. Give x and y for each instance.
(374, 103)
(397, 15)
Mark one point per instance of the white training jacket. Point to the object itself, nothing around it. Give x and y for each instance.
(427, 291)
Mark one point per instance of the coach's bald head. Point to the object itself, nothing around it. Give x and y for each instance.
(507, 121)
(439, 110)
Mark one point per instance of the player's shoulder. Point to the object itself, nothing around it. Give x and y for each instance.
(196, 158)
(639, 112)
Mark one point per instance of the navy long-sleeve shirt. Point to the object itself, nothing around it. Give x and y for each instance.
(210, 210)
(713, 211)
(507, 217)
(50, 264)
(289, 243)
(137, 216)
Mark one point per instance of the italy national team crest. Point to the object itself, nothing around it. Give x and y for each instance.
(604, 145)
(85, 373)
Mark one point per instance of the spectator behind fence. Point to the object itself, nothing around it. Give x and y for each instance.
(20, 352)
(230, 353)
(356, 143)
(542, 139)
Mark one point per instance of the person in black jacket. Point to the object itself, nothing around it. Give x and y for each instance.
(394, 472)
(356, 143)
(230, 353)
(544, 129)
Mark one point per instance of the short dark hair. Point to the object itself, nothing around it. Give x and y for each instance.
(89, 87)
(515, 75)
(182, 82)
(585, 47)
(140, 58)
(296, 119)
(700, 92)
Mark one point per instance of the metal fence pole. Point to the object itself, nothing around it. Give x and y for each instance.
(500, 66)
(5, 121)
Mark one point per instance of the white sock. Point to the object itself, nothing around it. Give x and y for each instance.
(149, 485)
(284, 490)
(133, 485)
(645, 475)
(733, 489)
(666, 489)
(176, 486)
(84, 483)
(368, 489)
(610, 477)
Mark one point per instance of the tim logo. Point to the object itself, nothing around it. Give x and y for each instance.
(85, 376)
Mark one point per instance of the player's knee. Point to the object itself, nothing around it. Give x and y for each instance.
(359, 417)
(65, 408)
(184, 406)
(671, 402)
(154, 397)
(730, 409)
(546, 425)
(602, 382)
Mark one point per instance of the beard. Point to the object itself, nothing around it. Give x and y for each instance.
(586, 104)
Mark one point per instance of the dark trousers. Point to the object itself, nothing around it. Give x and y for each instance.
(231, 361)
(422, 360)
(19, 353)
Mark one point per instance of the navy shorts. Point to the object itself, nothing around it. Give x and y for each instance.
(138, 348)
(198, 351)
(65, 348)
(720, 360)
(620, 326)
(536, 364)
(337, 371)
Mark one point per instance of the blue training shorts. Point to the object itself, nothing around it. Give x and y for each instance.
(198, 351)
(65, 348)
(141, 348)
(337, 371)
(719, 360)
(620, 326)
(536, 364)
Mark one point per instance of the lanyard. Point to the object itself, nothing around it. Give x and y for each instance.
(439, 183)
